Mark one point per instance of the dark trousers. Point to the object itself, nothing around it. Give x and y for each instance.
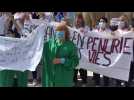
(34, 74)
(106, 81)
(83, 75)
(96, 78)
(131, 74)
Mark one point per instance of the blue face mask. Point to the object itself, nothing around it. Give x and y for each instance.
(59, 35)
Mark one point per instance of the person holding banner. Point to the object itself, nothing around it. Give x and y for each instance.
(80, 25)
(59, 59)
(18, 26)
(103, 28)
(12, 78)
(114, 24)
(28, 28)
(123, 28)
(123, 25)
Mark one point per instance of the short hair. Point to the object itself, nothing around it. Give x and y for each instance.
(124, 17)
(80, 16)
(104, 18)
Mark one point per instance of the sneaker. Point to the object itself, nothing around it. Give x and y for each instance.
(35, 82)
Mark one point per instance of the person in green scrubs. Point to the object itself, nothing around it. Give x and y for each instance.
(59, 59)
(10, 78)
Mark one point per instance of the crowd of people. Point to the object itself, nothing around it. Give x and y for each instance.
(59, 58)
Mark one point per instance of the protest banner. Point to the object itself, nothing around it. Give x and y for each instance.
(104, 54)
(22, 53)
(25, 53)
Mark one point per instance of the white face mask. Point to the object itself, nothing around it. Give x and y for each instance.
(121, 24)
(102, 25)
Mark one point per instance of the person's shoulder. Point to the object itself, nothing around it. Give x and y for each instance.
(70, 43)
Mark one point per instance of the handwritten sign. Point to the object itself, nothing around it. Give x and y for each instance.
(22, 54)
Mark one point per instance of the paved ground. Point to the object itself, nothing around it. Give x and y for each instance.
(89, 84)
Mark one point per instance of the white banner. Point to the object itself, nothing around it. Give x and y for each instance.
(22, 53)
(104, 54)
(25, 53)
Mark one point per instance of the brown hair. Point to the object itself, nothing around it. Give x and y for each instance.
(63, 27)
(79, 16)
(125, 18)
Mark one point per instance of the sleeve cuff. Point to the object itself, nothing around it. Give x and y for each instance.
(62, 60)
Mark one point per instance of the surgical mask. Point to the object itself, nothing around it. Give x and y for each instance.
(59, 35)
(121, 24)
(113, 27)
(102, 25)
